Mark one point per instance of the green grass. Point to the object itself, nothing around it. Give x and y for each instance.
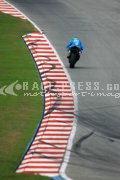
(19, 114)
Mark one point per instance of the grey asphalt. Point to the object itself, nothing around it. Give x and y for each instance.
(96, 150)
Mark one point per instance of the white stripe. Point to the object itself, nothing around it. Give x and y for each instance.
(63, 123)
(17, 15)
(62, 101)
(44, 54)
(60, 114)
(47, 95)
(61, 120)
(55, 128)
(40, 160)
(44, 58)
(47, 145)
(45, 174)
(34, 37)
(31, 156)
(49, 154)
(56, 74)
(57, 119)
(40, 47)
(58, 150)
(56, 165)
(58, 78)
(53, 74)
(54, 137)
(49, 175)
(39, 169)
(41, 50)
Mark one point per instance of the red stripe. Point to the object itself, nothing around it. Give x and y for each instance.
(50, 56)
(39, 48)
(57, 125)
(57, 121)
(57, 80)
(52, 103)
(33, 167)
(47, 152)
(60, 113)
(57, 75)
(35, 37)
(50, 52)
(53, 144)
(36, 32)
(35, 172)
(59, 116)
(64, 100)
(62, 139)
(38, 157)
(38, 43)
(52, 60)
(47, 148)
(57, 158)
(6, 8)
(45, 162)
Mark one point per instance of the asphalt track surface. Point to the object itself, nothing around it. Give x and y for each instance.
(96, 150)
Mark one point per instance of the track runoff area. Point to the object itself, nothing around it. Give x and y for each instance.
(48, 150)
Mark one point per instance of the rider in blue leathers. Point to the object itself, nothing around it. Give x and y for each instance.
(74, 42)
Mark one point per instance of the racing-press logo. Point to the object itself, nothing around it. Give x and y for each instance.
(10, 89)
(84, 90)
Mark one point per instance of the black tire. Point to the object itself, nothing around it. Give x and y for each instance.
(72, 60)
(72, 65)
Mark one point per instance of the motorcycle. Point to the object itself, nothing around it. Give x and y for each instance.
(74, 56)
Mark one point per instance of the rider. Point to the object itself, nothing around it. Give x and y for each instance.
(74, 42)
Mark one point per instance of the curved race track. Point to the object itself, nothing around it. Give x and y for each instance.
(96, 156)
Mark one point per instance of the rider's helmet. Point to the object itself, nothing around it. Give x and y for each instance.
(75, 37)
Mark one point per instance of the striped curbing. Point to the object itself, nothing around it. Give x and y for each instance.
(7, 8)
(46, 153)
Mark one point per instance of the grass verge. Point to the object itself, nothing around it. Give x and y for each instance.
(19, 114)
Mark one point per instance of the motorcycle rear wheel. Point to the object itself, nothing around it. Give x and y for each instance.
(72, 60)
